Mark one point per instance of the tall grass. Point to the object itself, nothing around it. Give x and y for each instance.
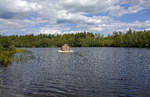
(6, 54)
(6, 57)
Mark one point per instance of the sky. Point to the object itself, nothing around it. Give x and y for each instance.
(20, 17)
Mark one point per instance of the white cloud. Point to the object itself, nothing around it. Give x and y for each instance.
(18, 6)
(49, 31)
(68, 16)
(135, 6)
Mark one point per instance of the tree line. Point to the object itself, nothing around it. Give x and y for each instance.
(82, 39)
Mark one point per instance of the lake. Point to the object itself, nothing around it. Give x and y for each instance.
(87, 72)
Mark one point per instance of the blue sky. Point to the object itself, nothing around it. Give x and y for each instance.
(19, 17)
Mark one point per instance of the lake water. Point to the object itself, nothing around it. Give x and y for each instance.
(87, 72)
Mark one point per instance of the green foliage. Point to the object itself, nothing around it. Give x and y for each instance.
(6, 53)
(5, 58)
(84, 39)
(12, 48)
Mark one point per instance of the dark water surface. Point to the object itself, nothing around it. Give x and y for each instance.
(87, 72)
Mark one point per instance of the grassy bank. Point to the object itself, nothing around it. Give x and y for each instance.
(20, 51)
(6, 55)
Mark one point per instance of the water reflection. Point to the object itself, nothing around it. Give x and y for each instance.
(65, 53)
(23, 57)
(87, 72)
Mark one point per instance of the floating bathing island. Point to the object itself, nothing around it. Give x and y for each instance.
(65, 48)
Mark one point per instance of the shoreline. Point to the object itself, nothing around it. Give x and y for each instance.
(6, 56)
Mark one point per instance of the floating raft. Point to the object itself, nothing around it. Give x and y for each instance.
(65, 51)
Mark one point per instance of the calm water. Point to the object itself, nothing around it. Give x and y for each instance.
(87, 72)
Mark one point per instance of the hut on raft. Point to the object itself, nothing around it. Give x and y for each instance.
(65, 47)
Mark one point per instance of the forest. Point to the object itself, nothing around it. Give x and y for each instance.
(82, 39)
(131, 38)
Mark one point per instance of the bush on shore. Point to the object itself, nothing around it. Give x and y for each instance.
(6, 54)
